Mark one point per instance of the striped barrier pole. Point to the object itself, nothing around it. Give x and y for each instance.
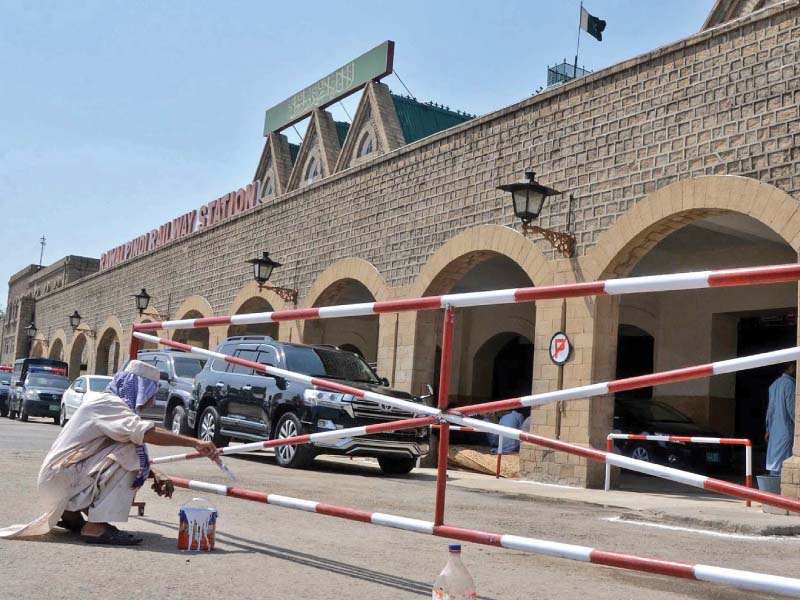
(412, 407)
(748, 467)
(624, 462)
(748, 580)
(308, 438)
(499, 457)
(610, 287)
(631, 383)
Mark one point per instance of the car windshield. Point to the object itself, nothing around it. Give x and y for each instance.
(331, 363)
(98, 384)
(186, 366)
(51, 381)
(655, 411)
(5, 378)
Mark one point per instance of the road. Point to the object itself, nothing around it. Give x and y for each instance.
(271, 552)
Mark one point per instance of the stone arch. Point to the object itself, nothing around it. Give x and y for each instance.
(58, 346)
(194, 307)
(348, 281)
(520, 264)
(151, 316)
(497, 382)
(252, 300)
(109, 347)
(78, 356)
(37, 349)
(636, 233)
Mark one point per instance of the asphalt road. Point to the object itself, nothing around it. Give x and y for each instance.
(271, 552)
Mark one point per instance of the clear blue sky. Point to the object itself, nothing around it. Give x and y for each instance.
(118, 116)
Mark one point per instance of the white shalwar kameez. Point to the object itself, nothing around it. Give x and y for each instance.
(91, 465)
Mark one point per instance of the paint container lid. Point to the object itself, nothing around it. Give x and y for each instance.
(455, 548)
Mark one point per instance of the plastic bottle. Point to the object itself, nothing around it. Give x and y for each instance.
(454, 582)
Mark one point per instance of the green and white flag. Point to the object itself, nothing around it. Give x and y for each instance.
(592, 25)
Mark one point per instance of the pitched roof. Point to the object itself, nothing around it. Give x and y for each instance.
(419, 120)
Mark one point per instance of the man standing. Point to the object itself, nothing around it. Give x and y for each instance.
(780, 419)
(99, 461)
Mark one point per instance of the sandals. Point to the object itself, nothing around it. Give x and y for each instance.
(73, 526)
(112, 537)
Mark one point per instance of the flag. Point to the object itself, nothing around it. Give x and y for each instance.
(592, 25)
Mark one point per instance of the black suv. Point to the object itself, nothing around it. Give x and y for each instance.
(235, 402)
(174, 396)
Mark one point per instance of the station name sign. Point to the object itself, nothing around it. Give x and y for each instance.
(217, 211)
(345, 80)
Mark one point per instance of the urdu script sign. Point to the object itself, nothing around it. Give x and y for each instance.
(345, 80)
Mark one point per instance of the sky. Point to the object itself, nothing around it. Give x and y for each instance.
(117, 116)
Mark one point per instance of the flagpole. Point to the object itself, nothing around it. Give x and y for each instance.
(577, 50)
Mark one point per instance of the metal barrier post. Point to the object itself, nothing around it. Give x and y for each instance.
(748, 467)
(133, 351)
(444, 430)
(499, 457)
(609, 448)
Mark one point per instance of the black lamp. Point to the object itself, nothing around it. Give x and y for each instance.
(262, 270)
(142, 300)
(528, 197)
(31, 330)
(75, 320)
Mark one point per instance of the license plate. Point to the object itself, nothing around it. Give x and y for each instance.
(712, 457)
(55, 407)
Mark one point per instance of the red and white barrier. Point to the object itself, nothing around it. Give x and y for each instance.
(720, 367)
(682, 439)
(611, 287)
(412, 407)
(748, 580)
(624, 462)
(309, 438)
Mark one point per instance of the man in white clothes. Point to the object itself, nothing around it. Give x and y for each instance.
(99, 461)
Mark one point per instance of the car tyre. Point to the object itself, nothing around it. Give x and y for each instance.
(62, 416)
(177, 420)
(640, 452)
(208, 427)
(23, 416)
(298, 456)
(396, 466)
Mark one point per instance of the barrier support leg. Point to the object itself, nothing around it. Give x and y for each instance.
(133, 352)
(609, 448)
(444, 431)
(748, 467)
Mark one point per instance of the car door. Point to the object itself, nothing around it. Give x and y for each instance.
(267, 386)
(74, 396)
(159, 405)
(240, 386)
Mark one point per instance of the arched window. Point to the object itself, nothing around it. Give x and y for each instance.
(313, 171)
(268, 188)
(366, 145)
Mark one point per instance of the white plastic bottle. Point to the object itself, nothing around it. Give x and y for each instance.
(454, 582)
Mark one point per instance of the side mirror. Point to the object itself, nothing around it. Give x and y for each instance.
(19, 384)
(163, 376)
(385, 382)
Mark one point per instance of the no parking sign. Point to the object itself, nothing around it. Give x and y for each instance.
(560, 348)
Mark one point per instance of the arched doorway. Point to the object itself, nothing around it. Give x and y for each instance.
(57, 350)
(38, 349)
(78, 357)
(193, 337)
(108, 353)
(480, 332)
(503, 367)
(256, 304)
(358, 333)
(145, 345)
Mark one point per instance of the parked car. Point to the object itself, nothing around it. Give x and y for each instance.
(174, 396)
(5, 386)
(651, 417)
(38, 392)
(83, 388)
(235, 402)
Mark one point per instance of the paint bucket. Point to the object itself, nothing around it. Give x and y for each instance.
(769, 483)
(197, 526)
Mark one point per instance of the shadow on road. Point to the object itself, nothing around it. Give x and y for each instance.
(388, 580)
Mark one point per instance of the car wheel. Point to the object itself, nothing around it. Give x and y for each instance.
(297, 456)
(4, 412)
(396, 466)
(640, 453)
(208, 428)
(177, 420)
(62, 416)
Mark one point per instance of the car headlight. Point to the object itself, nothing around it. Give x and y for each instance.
(315, 397)
(31, 395)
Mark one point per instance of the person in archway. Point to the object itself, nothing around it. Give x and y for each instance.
(514, 419)
(780, 419)
(99, 461)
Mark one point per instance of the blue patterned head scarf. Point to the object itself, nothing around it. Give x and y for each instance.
(135, 391)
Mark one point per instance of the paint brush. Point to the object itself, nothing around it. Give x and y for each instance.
(228, 473)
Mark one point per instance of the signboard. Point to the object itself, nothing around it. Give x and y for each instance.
(342, 82)
(560, 348)
(219, 210)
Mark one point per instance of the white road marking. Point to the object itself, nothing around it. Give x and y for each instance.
(709, 532)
